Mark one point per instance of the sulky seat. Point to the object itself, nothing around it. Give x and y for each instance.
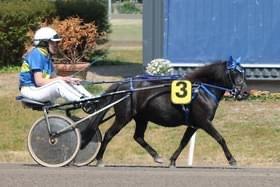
(33, 104)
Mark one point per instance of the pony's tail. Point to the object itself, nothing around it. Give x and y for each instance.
(95, 121)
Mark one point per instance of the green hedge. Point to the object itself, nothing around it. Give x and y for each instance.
(17, 18)
(128, 8)
(88, 10)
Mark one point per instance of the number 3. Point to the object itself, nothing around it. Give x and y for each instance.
(181, 92)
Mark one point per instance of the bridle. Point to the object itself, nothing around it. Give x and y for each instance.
(233, 67)
(235, 88)
(239, 70)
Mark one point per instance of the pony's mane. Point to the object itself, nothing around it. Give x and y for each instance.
(214, 72)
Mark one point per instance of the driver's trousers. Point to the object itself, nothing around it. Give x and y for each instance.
(54, 90)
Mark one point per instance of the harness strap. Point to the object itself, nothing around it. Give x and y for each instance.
(186, 110)
(206, 87)
(131, 87)
(214, 97)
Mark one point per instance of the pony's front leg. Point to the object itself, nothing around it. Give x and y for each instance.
(141, 126)
(210, 129)
(187, 136)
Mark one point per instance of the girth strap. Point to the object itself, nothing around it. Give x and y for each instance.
(186, 108)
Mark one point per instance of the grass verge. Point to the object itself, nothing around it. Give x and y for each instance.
(252, 138)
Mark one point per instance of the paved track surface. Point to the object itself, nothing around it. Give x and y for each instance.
(34, 175)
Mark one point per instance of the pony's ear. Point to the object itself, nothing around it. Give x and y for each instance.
(230, 63)
(238, 60)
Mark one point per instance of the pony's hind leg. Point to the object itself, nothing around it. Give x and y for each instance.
(210, 129)
(141, 126)
(109, 134)
(187, 136)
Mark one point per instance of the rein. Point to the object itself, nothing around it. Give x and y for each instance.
(86, 68)
(131, 80)
(141, 89)
(217, 87)
(139, 78)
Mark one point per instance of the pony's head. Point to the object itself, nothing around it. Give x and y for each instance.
(235, 72)
(236, 77)
(228, 74)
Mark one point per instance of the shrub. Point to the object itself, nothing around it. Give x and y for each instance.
(78, 39)
(17, 18)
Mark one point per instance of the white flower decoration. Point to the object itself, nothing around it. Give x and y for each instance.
(159, 66)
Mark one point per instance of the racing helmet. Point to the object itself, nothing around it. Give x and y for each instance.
(45, 34)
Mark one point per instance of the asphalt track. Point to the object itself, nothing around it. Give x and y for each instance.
(133, 176)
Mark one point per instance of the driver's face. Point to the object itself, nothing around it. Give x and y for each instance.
(53, 47)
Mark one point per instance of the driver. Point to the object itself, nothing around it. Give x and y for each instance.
(37, 78)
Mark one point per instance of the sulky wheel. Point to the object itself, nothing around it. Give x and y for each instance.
(87, 155)
(55, 151)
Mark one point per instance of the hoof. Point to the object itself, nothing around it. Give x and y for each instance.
(100, 164)
(158, 159)
(233, 162)
(172, 165)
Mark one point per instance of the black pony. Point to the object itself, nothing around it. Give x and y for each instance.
(155, 105)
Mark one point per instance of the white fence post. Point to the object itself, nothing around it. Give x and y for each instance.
(191, 150)
(109, 9)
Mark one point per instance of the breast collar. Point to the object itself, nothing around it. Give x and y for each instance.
(207, 88)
